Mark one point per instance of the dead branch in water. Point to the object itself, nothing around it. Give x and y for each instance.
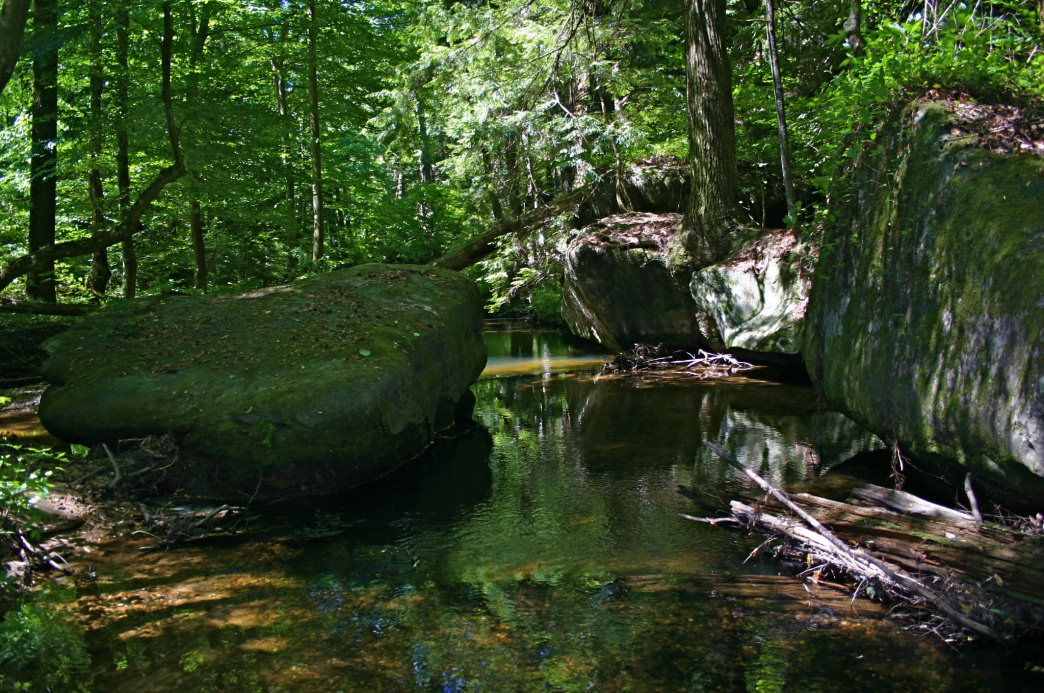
(974, 575)
(660, 358)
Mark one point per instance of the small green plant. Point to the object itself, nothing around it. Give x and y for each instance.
(25, 476)
(42, 651)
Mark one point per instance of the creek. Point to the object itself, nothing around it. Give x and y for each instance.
(541, 551)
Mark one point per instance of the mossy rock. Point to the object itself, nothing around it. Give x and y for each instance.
(620, 288)
(757, 298)
(926, 321)
(309, 387)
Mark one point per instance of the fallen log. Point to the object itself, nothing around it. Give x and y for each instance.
(903, 502)
(477, 248)
(972, 573)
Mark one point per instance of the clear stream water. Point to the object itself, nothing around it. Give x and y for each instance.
(542, 551)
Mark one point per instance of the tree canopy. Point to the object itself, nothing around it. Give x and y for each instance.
(217, 144)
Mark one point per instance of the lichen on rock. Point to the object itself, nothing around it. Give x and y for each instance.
(757, 298)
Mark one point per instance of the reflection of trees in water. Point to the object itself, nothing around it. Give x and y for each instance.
(584, 470)
(624, 426)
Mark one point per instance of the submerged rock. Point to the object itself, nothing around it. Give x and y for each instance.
(757, 298)
(619, 288)
(310, 387)
(926, 322)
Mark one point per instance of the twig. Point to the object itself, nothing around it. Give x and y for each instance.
(711, 520)
(115, 467)
(762, 545)
(976, 513)
(210, 516)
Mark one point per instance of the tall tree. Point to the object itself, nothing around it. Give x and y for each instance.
(781, 114)
(318, 216)
(710, 217)
(13, 18)
(39, 260)
(123, 183)
(197, 223)
(286, 157)
(101, 272)
(40, 284)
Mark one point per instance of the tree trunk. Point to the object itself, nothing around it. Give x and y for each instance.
(853, 31)
(424, 168)
(40, 284)
(130, 256)
(199, 249)
(290, 192)
(200, 32)
(101, 272)
(12, 28)
(482, 245)
(44, 257)
(711, 213)
(318, 222)
(781, 115)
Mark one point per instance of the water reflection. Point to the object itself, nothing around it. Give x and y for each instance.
(541, 551)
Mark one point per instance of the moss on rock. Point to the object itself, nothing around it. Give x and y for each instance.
(312, 386)
(926, 321)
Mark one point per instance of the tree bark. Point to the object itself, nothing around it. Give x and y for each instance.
(13, 18)
(318, 221)
(711, 213)
(101, 272)
(197, 227)
(289, 190)
(130, 256)
(781, 114)
(40, 283)
(853, 31)
(166, 55)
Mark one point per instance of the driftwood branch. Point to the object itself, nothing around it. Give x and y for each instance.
(823, 540)
(903, 502)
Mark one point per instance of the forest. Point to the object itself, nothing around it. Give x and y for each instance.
(210, 150)
(208, 146)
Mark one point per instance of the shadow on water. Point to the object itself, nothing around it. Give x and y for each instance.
(542, 550)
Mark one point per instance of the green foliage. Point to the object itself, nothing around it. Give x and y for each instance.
(25, 475)
(440, 119)
(40, 650)
(995, 56)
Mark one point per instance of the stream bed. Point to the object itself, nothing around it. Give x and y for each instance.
(542, 551)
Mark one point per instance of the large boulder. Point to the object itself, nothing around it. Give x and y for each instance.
(656, 184)
(619, 287)
(926, 321)
(757, 298)
(309, 387)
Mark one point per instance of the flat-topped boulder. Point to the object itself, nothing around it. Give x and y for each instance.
(313, 386)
